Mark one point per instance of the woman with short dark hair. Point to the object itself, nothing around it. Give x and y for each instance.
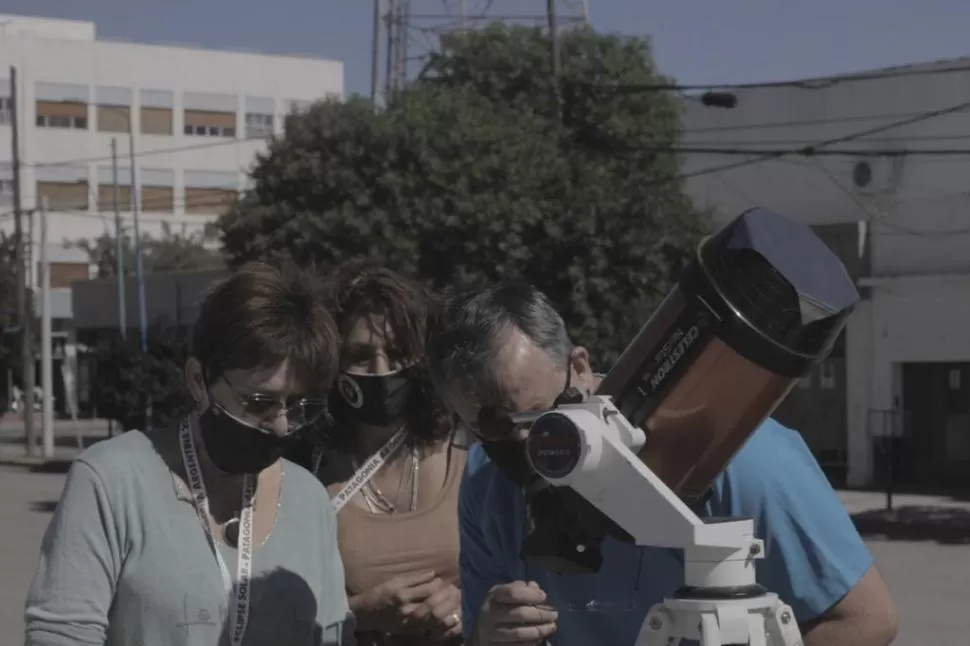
(203, 534)
(389, 463)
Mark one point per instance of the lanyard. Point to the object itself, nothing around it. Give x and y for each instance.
(368, 469)
(240, 609)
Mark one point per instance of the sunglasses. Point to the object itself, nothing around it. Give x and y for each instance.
(496, 423)
(300, 410)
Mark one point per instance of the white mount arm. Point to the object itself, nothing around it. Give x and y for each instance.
(612, 478)
(591, 447)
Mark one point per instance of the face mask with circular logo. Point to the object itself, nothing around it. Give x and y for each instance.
(375, 400)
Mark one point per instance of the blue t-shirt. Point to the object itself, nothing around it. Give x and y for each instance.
(814, 555)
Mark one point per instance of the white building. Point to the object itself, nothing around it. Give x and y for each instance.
(198, 119)
(901, 222)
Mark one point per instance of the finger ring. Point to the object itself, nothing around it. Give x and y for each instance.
(456, 618)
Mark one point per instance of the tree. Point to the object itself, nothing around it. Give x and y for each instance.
(8, 279)
(476, 172)
(8, 298)
(126, 378)
(171, 252)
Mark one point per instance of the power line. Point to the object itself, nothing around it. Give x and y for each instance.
(84, 211)
(925, 116)
(882, 220)
(805, 84)
(150, 152)
(802, 142)
(801, 122)
(812, 150)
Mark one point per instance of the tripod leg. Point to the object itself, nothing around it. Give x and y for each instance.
(757, 635)
(781, 627)
(710, 630)
(657, 629)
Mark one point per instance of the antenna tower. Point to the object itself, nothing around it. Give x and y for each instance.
(407, 31)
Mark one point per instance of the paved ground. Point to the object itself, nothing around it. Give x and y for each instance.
(25, 509)
(930, 580)
(68, 436)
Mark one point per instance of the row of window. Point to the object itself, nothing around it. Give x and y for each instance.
(154, 121)
(66, 106)
(76, 196)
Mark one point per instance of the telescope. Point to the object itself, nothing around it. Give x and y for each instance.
(759, 304)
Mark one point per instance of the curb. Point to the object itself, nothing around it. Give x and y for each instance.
(18, 459)
(924, 523)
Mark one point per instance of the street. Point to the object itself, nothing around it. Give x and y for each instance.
(930, 581)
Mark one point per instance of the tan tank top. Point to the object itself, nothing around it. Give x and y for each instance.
(378, 547)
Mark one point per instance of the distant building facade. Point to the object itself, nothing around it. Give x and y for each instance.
(197, 119)
(898, 217)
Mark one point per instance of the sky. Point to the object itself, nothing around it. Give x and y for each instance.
(695, 41)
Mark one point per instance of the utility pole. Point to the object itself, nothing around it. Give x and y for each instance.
(554, 54)
(390, 16)
(139, 266)
(402, 23)
(24, 309)
(375, 64)
(46, 360)
(119, 242)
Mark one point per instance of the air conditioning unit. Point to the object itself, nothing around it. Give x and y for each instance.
(877, 175)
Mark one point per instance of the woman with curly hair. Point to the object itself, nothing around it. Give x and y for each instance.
(387, 458)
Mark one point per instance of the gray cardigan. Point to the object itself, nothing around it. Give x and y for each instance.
(125, 561)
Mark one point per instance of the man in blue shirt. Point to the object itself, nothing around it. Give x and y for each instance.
(505, 348)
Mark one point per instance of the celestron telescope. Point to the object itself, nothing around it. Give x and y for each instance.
(761, 302)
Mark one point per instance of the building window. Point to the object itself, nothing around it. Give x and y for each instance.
(156, 121)
(106, 197)
(158, 199)
(114, 118)
(6, 190)
(65, 273)
(156, 112)
(955, 379)
(299, 106)
(62, 114)
(258, 125)
(6, 111)
(207, 123)
(208, 200)
(64, 196)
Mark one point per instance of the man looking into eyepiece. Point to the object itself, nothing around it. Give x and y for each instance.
(505, 350)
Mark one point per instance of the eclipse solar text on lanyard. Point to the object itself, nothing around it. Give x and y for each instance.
(368, 469)
(244, 568)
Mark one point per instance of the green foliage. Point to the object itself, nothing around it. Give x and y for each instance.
(8, 279)
(476, 172)
(171, 252)
(125, 379)
(9, 325)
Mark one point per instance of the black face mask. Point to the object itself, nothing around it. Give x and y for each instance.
(508, 454)
(375, 400)
(236, 447)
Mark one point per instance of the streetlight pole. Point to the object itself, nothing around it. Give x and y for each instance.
(25, 304)
(119, 242)
(46, 362)
(139, 263)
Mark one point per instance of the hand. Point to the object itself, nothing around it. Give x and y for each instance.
(397, 605)
(442, 612)
(513, 613)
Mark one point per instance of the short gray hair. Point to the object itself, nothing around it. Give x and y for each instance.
(467, 336)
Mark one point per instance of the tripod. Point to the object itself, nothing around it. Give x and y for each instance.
(761, 620)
